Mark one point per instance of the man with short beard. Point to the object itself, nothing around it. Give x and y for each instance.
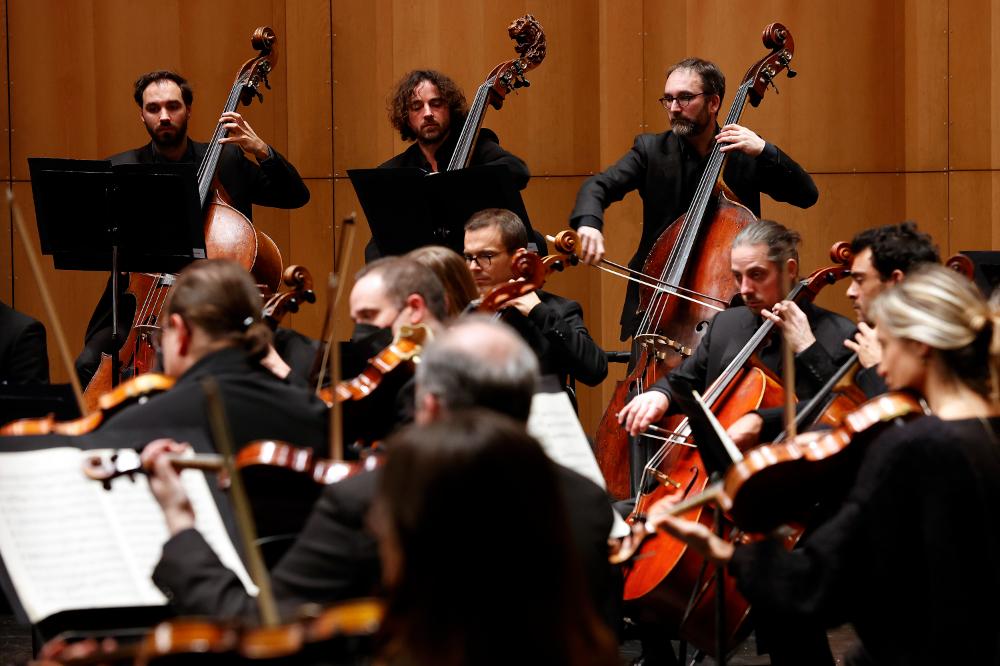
(164, 100)
(667, 167)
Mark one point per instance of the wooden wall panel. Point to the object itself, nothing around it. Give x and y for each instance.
(311, 245)
(4, 99)
(850, 203)
(974, 55)
(308, 56)
(975, 210)
(362, 76)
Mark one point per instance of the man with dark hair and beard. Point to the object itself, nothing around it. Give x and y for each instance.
(165, 100)
(429, 109)
(666, 168)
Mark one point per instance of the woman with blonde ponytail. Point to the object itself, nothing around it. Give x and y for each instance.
(212, 327)
(912, 557)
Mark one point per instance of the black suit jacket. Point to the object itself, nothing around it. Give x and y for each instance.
(554, 329)
(486, 151)
(258, 405)
(665, 171)
(334, 558)
(24, 357)
(274, 183)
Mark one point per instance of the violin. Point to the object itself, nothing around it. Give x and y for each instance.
(135, 391)
(406, 347)
(105, 466)
(228, 233)
(324, 633)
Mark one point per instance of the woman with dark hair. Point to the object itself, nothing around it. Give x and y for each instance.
(910, 558)
(476, 551)
(451, 269)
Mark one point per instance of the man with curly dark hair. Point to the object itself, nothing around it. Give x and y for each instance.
(428, 108)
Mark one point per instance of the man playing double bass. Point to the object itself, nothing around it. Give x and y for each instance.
(165, 100)
(665, 169)
(429, 109)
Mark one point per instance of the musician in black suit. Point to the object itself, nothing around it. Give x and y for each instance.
(551, 325)
(816, 335)
(212, 328)
(164, 99)
(882, 257)
(429, 109)
(666, 168)
(24, 357)
(474, 364)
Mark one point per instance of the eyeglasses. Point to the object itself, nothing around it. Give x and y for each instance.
(682, 100)
(480, 258)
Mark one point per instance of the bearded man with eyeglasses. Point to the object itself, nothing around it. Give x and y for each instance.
(665, 168)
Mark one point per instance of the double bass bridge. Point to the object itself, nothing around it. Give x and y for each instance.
(660, 346)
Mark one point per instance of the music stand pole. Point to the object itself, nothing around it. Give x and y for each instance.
(720, 593)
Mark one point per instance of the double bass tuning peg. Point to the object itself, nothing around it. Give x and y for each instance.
(792, 73)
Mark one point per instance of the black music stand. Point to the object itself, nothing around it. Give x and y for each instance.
(96, 216)
(410, 208)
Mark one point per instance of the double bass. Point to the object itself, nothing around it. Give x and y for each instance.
(693, 284)
(228, 233)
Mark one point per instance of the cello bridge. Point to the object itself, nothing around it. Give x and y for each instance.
(660, 346)
(665, 480)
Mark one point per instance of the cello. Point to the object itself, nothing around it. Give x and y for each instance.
(660, 582)
(228, 233)
(685, 259)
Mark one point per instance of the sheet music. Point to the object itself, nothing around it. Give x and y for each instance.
(554, 423)
(69, 544)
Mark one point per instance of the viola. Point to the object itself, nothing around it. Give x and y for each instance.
(228, 233)
(687, 258)
(104, 466)
(320, 632)
(504, 78)
(135, 391)
(406, 347)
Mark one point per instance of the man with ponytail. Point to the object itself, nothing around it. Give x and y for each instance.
(212, 328)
